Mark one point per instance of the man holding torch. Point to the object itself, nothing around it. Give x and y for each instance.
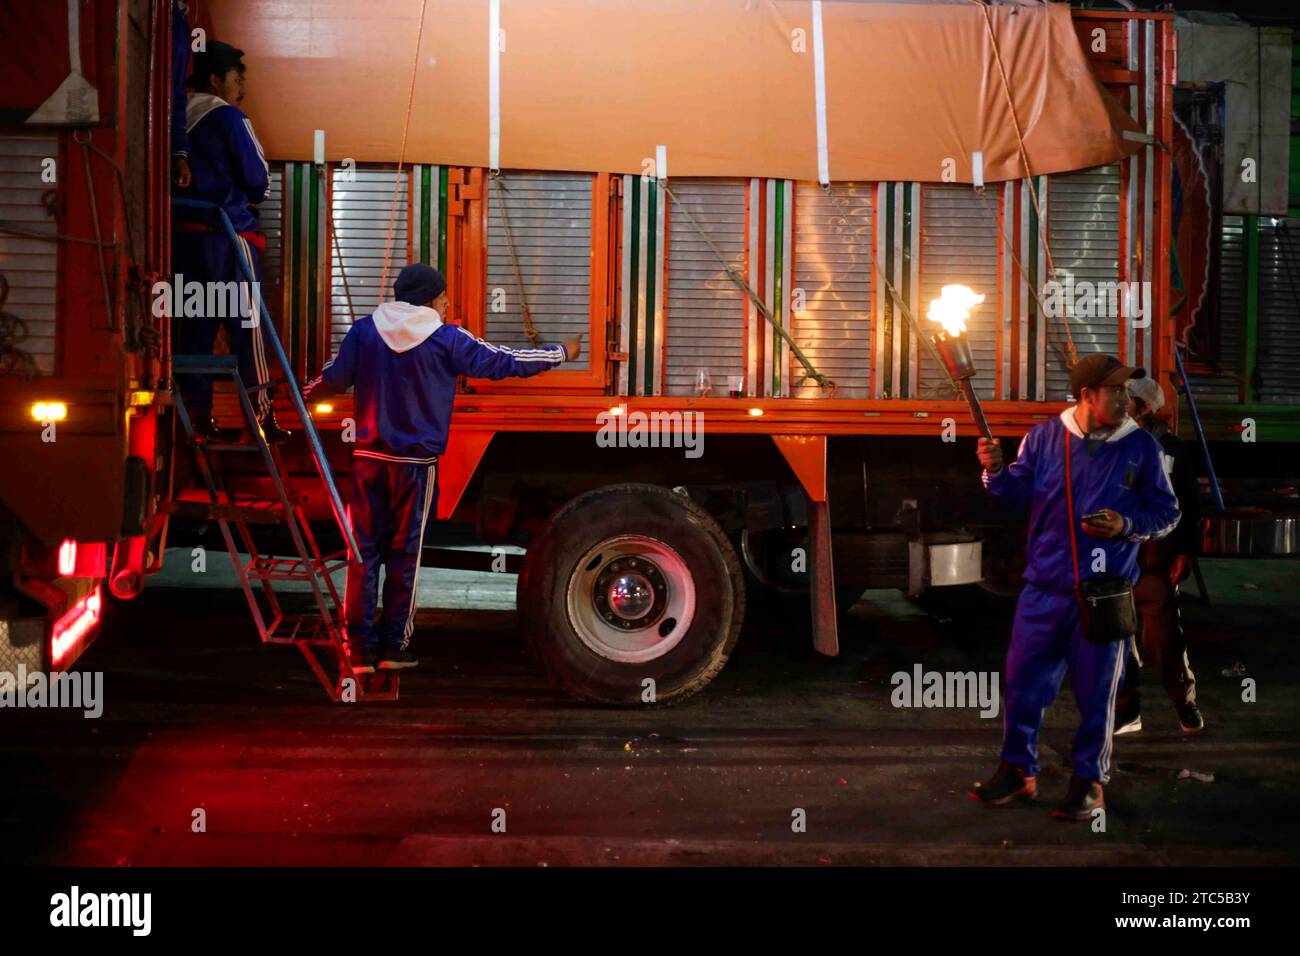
(1095, 488)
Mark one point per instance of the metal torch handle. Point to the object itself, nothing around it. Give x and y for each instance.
(976, 409)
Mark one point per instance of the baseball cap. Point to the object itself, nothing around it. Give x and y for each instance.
(1148, 392)
(1099, 370)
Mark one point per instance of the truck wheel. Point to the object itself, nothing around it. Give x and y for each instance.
(771, 585)
(630, 583)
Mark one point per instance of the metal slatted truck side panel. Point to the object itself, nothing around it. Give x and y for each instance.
(833, 282)
(539, 257)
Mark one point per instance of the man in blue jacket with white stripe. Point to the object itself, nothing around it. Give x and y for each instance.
(403, 363)
(226, 167)
(1122, 497)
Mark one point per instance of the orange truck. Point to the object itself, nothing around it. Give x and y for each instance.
(746, 209)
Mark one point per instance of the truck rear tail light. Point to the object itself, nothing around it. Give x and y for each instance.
(71, 630)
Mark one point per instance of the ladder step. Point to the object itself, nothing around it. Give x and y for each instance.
(229, 446)
(257, 513)
(206, 364)
(267, 568)
(303, 629)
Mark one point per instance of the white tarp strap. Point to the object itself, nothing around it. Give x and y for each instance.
(819, 77)
(494, 85)
(74, 36)
(75, 102)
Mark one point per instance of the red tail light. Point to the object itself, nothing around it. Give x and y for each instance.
(67, 557)
(71, 630)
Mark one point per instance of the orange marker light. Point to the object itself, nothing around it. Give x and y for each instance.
(756, 412)
(49, 411)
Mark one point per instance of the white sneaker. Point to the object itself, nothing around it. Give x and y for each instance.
(1132, 727)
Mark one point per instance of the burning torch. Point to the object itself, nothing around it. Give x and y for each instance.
(951, 310)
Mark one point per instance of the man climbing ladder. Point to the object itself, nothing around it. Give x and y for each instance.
(403, 362)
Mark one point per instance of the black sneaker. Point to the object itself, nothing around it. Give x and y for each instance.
(397, 660)
(271, 430)
(207, 430)
(1008, 785)
(363, 662)
(1081, 799)
(1190, 719)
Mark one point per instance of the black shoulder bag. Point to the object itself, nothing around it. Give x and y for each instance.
(1106, 600)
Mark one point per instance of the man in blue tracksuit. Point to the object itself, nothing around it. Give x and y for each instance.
(403, 362)
(1119, 483)
(226, 167)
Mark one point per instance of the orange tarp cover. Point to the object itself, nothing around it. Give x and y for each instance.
(728, 86)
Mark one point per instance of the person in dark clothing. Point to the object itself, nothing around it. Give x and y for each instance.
(403, 362)
(1163, 564)
(227, 168)
(180, 67)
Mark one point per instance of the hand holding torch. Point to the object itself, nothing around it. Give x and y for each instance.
(951, 310)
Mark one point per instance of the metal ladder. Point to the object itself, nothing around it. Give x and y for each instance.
(318, 633)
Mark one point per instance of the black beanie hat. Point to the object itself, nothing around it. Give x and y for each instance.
(418, 284)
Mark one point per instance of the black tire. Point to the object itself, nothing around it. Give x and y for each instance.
(646, 512)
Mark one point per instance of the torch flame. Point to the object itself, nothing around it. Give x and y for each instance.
(952, 308)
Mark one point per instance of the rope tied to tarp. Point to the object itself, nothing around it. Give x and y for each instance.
(1072, 358)
(736, 277)
(530, 329)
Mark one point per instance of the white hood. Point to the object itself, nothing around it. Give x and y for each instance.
(199, 105)
(1072, 425)
(404, 326)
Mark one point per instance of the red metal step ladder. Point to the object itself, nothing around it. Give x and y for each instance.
(319, 631)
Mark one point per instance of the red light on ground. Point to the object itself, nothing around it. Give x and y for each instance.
(71, 630)
(67, 557)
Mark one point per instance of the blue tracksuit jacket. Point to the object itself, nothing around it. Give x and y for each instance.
(226, 160)
(403, 364)
(1125, 473)
(180, 65)
(404, 398)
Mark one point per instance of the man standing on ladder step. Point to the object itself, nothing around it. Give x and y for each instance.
(227, 167)
(403, 362)
(1093, 471)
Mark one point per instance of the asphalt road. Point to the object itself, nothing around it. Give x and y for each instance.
(200, 717)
